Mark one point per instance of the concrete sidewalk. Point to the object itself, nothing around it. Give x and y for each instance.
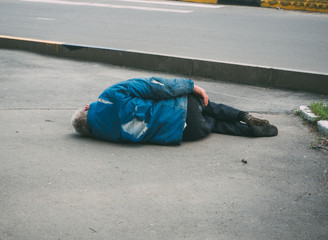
(56, 185)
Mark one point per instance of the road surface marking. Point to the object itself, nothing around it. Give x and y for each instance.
(171, 3)
(45, 19)
(107, 5)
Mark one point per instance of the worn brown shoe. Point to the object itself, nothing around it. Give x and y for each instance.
(253, 121)
(265, 131)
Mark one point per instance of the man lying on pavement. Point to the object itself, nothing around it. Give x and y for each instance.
(163, 111)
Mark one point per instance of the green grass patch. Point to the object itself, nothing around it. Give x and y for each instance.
(320, 109)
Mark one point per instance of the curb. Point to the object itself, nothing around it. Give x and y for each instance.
(304, 5)
(192, 67)
(323, 127)
(308, 115)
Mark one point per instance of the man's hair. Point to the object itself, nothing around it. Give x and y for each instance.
(79, 122)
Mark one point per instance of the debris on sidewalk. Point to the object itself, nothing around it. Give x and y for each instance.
(321, 143)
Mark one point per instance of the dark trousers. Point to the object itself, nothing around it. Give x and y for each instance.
(217, 118)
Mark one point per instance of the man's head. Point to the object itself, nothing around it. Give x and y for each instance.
(79, 121)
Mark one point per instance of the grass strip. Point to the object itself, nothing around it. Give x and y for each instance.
(320, 109)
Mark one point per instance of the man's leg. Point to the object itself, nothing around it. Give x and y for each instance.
(217, 118)
(233, 128)
(232, 121)
(223, 112)
(243, 129)
(226, 113)
(220, 118)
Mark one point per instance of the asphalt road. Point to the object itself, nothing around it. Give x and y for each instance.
(248, 35)
(57, 185)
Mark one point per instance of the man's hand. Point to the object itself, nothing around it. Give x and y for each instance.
(86, 107)
(202, 93)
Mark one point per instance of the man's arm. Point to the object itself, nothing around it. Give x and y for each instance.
(154, 88)
(166, 88)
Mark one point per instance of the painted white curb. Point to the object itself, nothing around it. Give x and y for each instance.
(308, 115)
(323, 127)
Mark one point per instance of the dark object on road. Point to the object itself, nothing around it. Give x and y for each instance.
(244, 161)
(241, 2)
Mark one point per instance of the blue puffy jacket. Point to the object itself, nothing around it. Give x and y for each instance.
(150, 110)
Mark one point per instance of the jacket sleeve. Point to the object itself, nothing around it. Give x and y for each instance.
(155, 88)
